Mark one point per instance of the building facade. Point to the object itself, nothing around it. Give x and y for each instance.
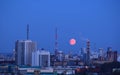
(23, 52)
(41, 58)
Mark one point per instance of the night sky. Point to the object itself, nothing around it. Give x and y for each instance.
(96, 20)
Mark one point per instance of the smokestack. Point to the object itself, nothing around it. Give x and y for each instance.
(27, 31)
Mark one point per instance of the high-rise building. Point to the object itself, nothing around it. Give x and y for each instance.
(23, 51)
(41, 58)
(83, 54)
(88, 52)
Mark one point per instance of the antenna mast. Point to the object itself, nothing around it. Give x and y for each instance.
(27, 31)
(56, 42)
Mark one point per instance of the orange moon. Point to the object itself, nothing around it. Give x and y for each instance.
(72, 41)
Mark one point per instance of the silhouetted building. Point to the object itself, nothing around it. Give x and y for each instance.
(115, 56)
(52, 59)
(111, 55)
(81, 54)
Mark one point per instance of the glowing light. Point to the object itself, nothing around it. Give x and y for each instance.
(72, 41)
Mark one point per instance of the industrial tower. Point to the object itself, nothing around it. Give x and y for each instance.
(88, 52)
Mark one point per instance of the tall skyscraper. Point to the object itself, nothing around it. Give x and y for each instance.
(24, 49)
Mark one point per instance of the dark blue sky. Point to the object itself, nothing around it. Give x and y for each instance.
(96, 20)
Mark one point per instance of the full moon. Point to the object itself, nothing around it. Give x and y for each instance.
(72, 41)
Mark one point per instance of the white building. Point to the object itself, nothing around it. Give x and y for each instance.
(41, 58)
(23, 51)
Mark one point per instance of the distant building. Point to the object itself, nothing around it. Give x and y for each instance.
(115, 56)
(118, 59)
(101, 54)
(13, 55)
(83, 54)
(88, 52)
(23, 52)
(94, 55)
(60, 56)
(52, 59)
(111, 55)
(66, 57)
(41, 58)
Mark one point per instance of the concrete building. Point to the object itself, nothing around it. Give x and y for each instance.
(41, 58)
(23, 51)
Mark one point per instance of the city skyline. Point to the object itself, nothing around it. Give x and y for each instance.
(97, 21)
